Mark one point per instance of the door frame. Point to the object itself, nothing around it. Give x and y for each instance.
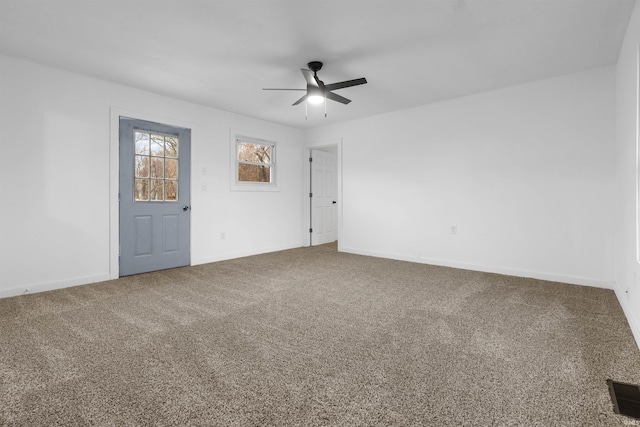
(114, 177)
(337, 142)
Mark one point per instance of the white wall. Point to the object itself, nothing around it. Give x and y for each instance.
(58, 190)
(627, 268)
(525, 173)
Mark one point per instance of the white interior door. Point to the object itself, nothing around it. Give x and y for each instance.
(323, 201)
(154, 196)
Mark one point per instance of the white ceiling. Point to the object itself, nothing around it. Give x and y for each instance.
(221, 53)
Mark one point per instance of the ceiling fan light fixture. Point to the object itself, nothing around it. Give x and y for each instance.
(315, 95)
(315, 99)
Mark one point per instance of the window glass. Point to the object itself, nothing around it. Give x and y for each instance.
(254, 161)
(155, 167)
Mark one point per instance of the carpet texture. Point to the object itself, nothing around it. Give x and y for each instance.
(312, 337)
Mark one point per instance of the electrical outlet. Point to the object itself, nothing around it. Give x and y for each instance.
(454, 229)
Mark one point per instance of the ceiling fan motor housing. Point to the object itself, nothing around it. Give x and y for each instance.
(315, 66)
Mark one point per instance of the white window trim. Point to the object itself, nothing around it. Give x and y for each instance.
(251, 137)
(637, 123)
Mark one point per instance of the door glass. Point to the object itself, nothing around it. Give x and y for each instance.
(155, 167)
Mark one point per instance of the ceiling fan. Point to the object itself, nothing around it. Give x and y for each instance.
(317, 91)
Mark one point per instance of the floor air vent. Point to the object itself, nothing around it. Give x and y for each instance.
(625, 398)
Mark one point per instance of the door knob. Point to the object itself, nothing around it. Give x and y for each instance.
(185, 208)
(334, 202)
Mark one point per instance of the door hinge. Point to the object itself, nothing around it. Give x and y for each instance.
(311, 230)
(310, 194)
(310, 159)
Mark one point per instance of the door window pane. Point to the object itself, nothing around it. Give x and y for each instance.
(142, 166)
(157, 145)
(141, 142)
(142, 189)
(171, 190)
(157, 167)
(171, 168)
(171, 146)
(156, 192)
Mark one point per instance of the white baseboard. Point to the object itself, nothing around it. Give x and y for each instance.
(241, 254)
(85, 280)
(573, 280)
(49, 286)
(633, 320)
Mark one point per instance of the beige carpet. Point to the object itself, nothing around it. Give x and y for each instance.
(313, 337)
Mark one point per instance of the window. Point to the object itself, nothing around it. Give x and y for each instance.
(155, 167)
(254, 161)
(254, 165)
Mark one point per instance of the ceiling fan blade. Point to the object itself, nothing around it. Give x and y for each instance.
(348, 83)
(338, 98)
(300, 100)
(268, 88)
(309, 77)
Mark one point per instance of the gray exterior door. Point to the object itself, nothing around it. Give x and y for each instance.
(154, 196)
